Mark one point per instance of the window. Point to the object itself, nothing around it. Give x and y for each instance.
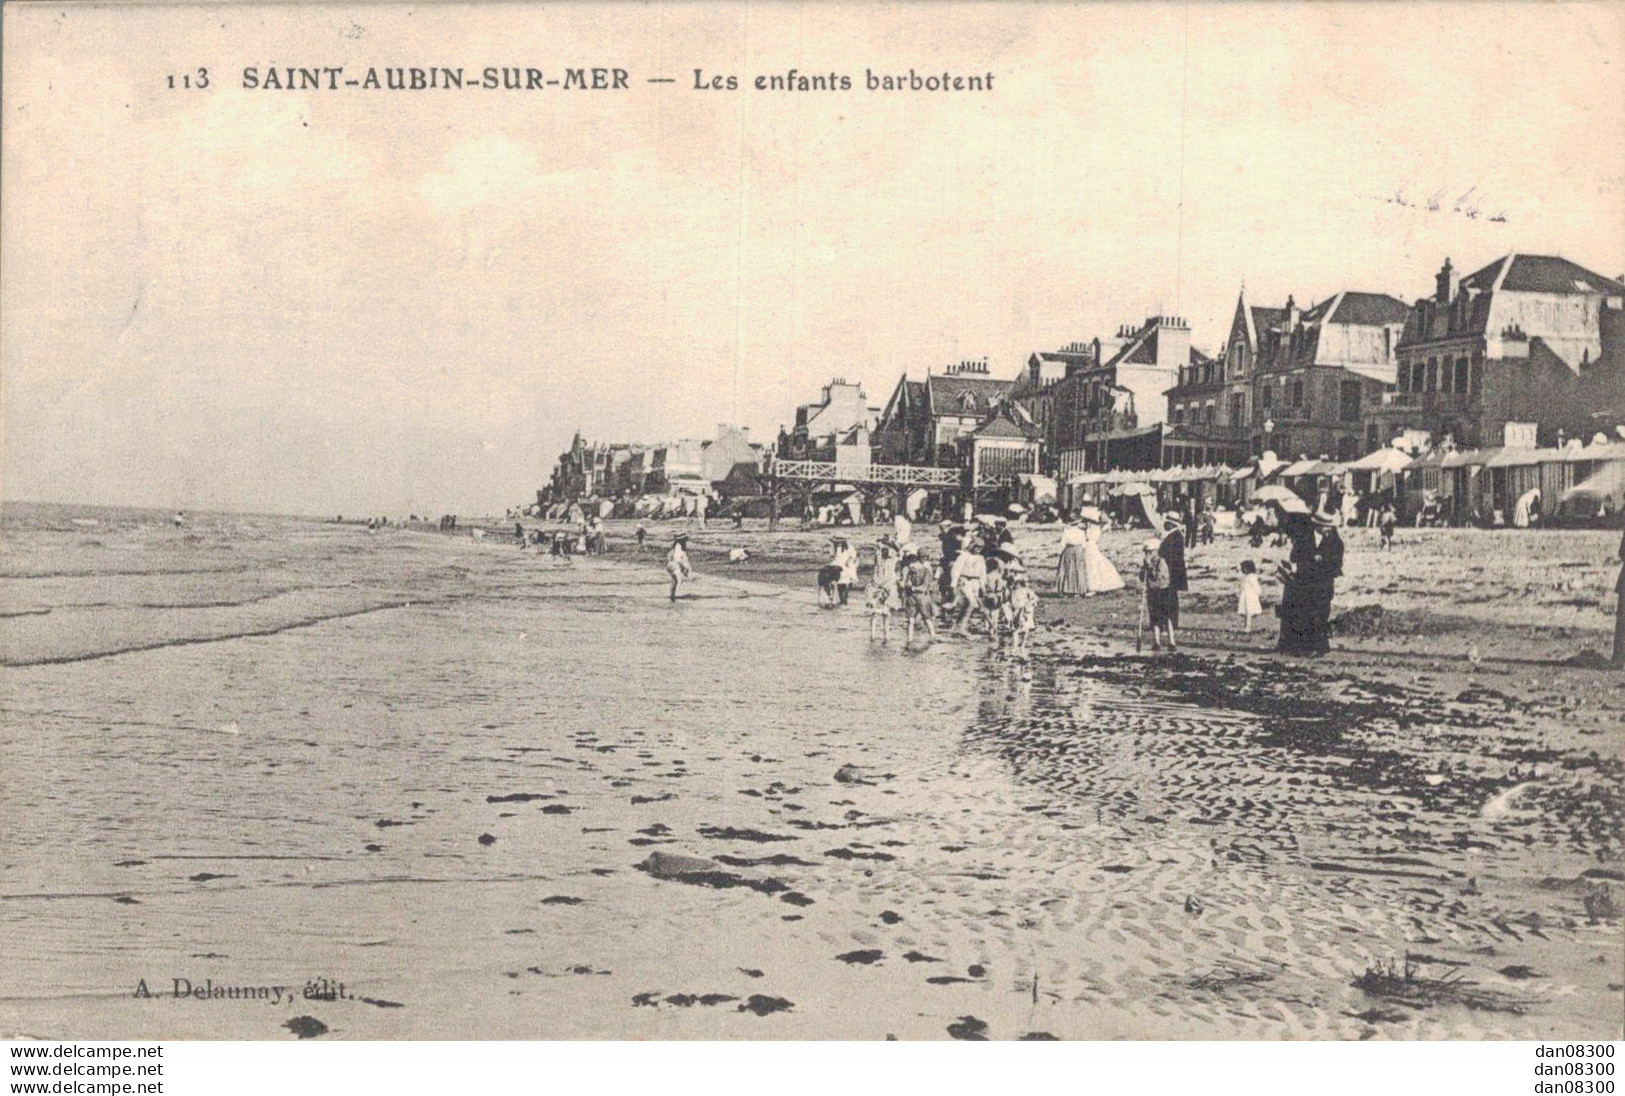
(1350, 410)
(1404, 376)
(1238, 408)
(1371, 437)
(1208, 414)
(1297, 393)
(1478, 372)
(1433, 375)
(1445, 371)
(1461, 375)
(1268, 395)
(1179, 414)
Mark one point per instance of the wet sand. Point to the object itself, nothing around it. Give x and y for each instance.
(498, 795)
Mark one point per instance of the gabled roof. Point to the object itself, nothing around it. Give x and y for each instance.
(962, 395)
(1008, 420)
(1141, 348)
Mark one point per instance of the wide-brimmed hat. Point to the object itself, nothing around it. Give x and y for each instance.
(1172, 519)
(1323, 518)
(908, 550)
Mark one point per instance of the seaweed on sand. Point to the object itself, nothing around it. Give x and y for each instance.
(1407, 985)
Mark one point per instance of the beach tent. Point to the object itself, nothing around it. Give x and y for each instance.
(1037, 488)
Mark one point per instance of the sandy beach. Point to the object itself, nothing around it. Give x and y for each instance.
(496, 794)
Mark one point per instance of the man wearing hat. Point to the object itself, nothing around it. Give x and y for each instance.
(1172, 551)
(677, 564)
(1321, 580)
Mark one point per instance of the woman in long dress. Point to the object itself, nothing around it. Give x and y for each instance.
(1070, 568)
(1100, 577)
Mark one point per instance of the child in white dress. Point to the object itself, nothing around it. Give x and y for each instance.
(1249, 601)
(879, 606)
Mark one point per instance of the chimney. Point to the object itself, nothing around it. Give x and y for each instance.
(1441, 292)
(1292, 313)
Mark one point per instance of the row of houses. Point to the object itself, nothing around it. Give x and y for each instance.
(626, 469)
(1527, 343)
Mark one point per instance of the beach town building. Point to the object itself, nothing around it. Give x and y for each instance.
(622, 469)
(1036, 387)
(923, 421)
(1316, 372)
(1006, 445)
(842, 408)
(1210, 409)
(1532, 339)
(1109, 412)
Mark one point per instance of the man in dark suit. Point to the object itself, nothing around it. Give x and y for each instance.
(1172, 551)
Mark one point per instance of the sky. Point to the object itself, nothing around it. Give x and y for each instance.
(375, 302)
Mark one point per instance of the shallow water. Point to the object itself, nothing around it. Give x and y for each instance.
(433, 771)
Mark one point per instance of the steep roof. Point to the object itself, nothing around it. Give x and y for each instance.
(1542, 274)
(961, 395)
(1007, 421)
(1266, 318)
(1370, 310)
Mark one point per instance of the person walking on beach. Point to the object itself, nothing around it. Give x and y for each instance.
(1154, 585)
(641, 534)
(677, 563)
(1249, 599)
(915, 583)
(1387, 523)
(1172, 550)
(965, 579)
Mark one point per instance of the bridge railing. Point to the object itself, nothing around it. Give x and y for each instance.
(897, 475)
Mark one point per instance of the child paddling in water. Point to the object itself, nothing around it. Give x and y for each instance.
(878, 605)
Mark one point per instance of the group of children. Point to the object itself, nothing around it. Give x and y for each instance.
(1001, 597)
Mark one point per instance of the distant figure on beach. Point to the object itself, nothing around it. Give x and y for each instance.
(902, 529)
(1154, 586)
(1387, 523)
(1619, 609)
(1206, 526)
(846, 558)
(915, 583)
(1249, 598)
(678, 565)
(1099, 576)
(519, 533)
(878, 605)
(179, 518)
(1257, 531)
(1172, 551)
(886, 550)
(965, 578)
(1023, 613)
(641, 534)
(951, 539)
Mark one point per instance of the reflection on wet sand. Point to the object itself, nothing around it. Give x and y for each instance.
(528, 800)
